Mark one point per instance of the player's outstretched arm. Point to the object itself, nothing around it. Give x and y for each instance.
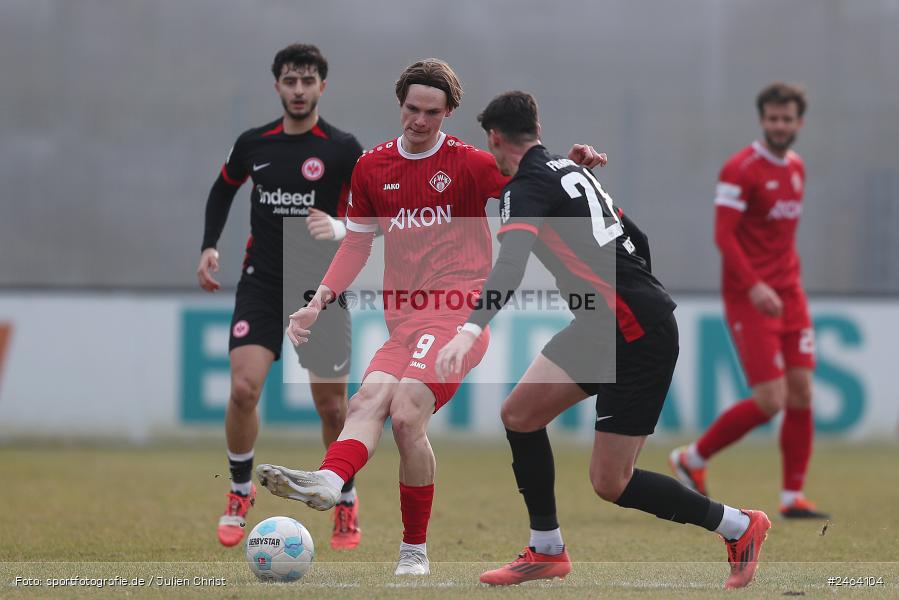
(345, 267)
(349, 261)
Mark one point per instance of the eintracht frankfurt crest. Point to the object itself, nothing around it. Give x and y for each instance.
(440, 181)
(313, 169)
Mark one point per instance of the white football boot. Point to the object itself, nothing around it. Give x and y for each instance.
(309, 487)
(413, 561)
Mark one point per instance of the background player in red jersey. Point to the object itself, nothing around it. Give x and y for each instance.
(560, 212)
(301, 166)
(757, 208)
(426, 191)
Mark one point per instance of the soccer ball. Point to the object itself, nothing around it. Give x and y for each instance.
(280, 549)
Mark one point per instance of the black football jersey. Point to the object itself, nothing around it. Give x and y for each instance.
(577, 227)
(291, 174)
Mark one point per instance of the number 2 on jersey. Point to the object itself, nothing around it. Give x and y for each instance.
(573, 183)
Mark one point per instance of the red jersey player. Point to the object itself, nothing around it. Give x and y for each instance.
(757, 208)
(426, 191)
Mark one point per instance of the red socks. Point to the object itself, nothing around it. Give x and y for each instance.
(730, 426)
(345, 457)
(415, 504)
(796, 446)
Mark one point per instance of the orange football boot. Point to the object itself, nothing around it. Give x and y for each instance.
(233, 522)
(346, 533)
(802, 509)
(743, 553)
(528, 566)
(690, 477)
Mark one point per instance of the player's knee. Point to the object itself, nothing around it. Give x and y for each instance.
(608, 486)
(800, 395)
(367, 404)
(245, 393)
(515, 419)
(771, 397)
(332, 411)
(408, 426)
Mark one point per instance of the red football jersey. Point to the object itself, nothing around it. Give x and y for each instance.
(430, 207)
(758, 202)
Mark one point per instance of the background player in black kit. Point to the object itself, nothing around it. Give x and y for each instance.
(300, 166)
(559, 211)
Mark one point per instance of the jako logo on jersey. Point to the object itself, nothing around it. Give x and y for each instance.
(421, 217)
(418, 365)
(313, 169)
(506, 211)
(785, 209)
(279, 198)
(391, 186)
(440, 181)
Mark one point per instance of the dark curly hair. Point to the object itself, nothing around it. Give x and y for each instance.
(300, 55)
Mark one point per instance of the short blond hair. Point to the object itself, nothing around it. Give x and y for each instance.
(434, 73)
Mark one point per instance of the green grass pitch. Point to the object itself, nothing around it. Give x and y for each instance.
(92, 512)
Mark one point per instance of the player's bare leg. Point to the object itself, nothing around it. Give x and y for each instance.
(330, 397)
(368, 410)
(689, 463)
(249, 367)
(366, 414)
(796, 435)
(410, 412)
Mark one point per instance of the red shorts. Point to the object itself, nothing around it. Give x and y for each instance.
(411, 351)
(768, 346)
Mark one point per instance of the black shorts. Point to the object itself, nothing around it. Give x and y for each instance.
(260, 318)
(643, 372)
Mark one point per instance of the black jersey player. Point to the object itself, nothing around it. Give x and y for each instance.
(560, 212)
(300, 166)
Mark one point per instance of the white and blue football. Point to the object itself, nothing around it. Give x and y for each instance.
(280, 549)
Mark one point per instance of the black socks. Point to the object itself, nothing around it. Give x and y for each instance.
(668, 499)
(535, 473)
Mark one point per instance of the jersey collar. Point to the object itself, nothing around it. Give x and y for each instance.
(767, 155)
(419, 155)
